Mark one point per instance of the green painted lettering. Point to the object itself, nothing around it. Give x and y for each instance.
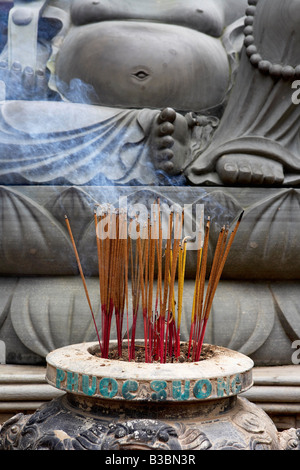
(202, 389)
(72, 381)
(159, 387)
(236, 384)
(86, 388)
(223, 386)
(129, 386)
(60, 376)
(108, 387)
(176, 390)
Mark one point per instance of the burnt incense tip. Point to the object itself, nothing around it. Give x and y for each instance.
(191, 239)
(241, 216)
(66, 216)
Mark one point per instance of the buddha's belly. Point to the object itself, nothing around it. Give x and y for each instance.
(141, 64)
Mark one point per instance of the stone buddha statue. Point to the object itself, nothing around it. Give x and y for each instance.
(97, 91)
(149, 79)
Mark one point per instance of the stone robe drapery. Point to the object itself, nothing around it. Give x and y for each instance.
(67, 143)
(261, 118)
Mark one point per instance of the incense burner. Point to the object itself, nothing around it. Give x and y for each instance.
(116, 405)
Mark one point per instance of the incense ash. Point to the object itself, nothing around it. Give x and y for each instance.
(154, 270)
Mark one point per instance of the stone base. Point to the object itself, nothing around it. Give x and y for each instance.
(23, 389)
(277, 391)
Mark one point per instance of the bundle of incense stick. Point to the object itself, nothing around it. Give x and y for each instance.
(202, 302)
(153, 269)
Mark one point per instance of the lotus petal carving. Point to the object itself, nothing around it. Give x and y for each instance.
(8, 286)
(251, 322)
(269, 237)
(31, 240)
(57, 316)
(287, 298)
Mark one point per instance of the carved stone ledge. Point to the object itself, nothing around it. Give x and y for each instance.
(267, 246)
